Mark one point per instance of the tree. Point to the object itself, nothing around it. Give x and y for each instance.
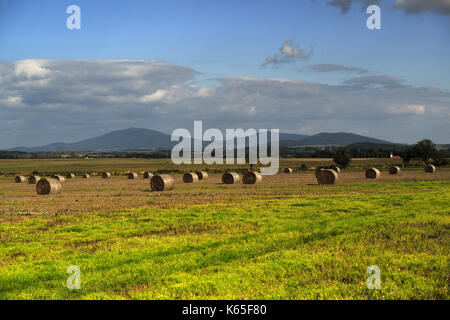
(424, 150)
(342, 157)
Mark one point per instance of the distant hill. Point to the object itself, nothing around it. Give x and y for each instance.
(128, 139)
(146, 139)
(337, 139)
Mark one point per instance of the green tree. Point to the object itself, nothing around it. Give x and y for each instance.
(342, 157)
(424, 150)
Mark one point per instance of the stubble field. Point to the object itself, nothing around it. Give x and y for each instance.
(286, 238)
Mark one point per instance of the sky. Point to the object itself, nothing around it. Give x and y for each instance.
(300, 66)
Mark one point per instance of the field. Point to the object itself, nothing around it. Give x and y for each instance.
(286, 238)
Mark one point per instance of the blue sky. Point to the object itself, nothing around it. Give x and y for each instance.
(228, 39)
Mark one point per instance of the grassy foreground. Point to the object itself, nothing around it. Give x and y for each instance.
(308, 246)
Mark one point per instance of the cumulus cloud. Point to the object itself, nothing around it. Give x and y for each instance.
(441, 7)
(73, 100)
(336, 68)
(289, 52)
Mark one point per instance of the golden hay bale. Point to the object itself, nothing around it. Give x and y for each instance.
(106, 175)
(317, 172)
(372, 173)
(190, 177)
(48, 186)
(70, 176)
(33, 179)
(162, 182)
(394, 170)
(20, 179)
(86, 176)
(132, 175)
(327, 176)
(148, 175)
(230, 178)
(337, 169)
(430, 168)
(287, 170)
(202, 175)
(251, 177)
(59, 178)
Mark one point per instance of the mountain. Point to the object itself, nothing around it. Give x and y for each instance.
(337, 139)
(128, 139)
(146, 139)
(292, 136)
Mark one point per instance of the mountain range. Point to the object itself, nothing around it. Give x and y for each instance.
(147, 139)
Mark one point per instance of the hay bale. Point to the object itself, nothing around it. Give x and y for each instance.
(132, 175)
(148, 175)
(33, 179)
(202, 175)
(327, 176)
(251, 177)
(20, 179)
(70, 176)
(230, 178)
(394, 170)
(106, 175)
(317, 172)
(190, 177)
(162, 182)
(430, 168)
(86, 176)
(287, 170)
(48, 186)
(372, 173)
(59, 178)
(337, 169)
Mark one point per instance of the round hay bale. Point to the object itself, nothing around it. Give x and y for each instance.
(287, 170)
(230, 178)
(317, 172)
(106, 175)
(86, 176)
(372, 173)
(202, 175)
(33, 179)
(162, 182)
(132, 175)
(251, 177)
(190, 177)
(430, 168)
(327, 176)
(59, 178)
(337, 169)
(20, 179)
(394, 170)
(48, 186)
(148, 175)
(70, 176)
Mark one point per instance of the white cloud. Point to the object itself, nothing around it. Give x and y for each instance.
(416, 109)
(81, 99)
(289, 53)
(31, 69)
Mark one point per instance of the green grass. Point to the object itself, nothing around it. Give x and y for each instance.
(299, 247)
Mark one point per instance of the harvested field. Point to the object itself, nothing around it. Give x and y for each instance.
(293, 239)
